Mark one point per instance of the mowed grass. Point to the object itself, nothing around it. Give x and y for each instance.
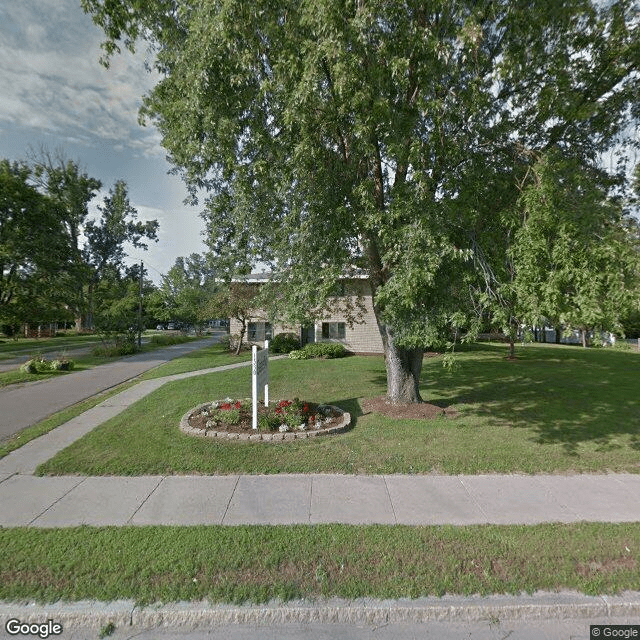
(554, 410)
(10, 348)
(258, 563)
(213, 356)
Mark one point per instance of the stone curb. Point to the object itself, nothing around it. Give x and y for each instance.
(124, 613)
(261, 437)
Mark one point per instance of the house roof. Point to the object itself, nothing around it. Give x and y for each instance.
(265, 276)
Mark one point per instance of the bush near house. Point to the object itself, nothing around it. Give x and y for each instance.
(319, 350)
(284, 343)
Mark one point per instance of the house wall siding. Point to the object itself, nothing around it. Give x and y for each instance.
(360, 338)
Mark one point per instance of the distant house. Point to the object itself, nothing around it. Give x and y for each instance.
(360, 338)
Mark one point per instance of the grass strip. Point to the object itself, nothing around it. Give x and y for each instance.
(55, 420)
(555, 410)
(10, 348)
(80, 363)
(214, 356)
(259, 563)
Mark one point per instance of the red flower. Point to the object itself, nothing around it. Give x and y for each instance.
(305, 408)
(237, 405)
(225, 406)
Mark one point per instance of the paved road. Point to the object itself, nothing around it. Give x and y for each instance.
(27, 404)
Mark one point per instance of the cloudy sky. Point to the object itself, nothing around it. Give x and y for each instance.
(54, 92)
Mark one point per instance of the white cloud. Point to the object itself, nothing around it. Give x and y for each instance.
(51, 80)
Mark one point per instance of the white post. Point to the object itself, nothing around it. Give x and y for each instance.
(254, 386)
(266, 386)
(259, 379)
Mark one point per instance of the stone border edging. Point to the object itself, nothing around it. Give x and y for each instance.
(261, 436)
(123, 613)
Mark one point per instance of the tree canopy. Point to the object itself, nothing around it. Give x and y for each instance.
(337, 134)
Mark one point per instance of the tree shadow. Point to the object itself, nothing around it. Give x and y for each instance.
(563, 395)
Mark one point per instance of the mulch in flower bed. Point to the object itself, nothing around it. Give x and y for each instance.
(408, 411)
(199, 420)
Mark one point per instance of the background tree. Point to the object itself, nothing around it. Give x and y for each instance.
(235, 300)
(33, 250)
(107, 236)
(338, 133)
(575, 255)
(185, 290)
(71, 190)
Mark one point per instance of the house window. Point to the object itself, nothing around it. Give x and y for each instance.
(259, 331)
(333, 330)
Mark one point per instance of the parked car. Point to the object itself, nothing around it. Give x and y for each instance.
(160, 327)
(171, 326)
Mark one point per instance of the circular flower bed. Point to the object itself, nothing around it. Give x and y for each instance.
(285, 420)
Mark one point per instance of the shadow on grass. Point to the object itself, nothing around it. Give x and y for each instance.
(563, 394)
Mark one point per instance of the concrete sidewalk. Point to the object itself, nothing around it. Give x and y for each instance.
(314, 499)
(27, 404)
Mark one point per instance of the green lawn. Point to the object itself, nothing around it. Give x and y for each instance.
(10, 348)
(258, 563)
(213, 356)
(556, 409)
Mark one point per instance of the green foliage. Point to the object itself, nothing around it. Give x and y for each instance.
(574, 256)
(185, 291)
(40, 364)
(284, 343)
(268, 422)
(166, 340)
(380, 136)
(119, 346)
(299, 354)
(33, 250)
(325, 350)
(29, 367)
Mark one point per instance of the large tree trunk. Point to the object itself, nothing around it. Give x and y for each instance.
(403, 369)
(243, 329)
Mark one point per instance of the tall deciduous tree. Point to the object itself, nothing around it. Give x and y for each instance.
(71, 190)
(574, 254)
(336, 133)
(33, 250)
(107, 236)
(185, 290)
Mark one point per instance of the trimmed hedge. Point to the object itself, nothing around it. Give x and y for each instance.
(284, 343)
(319, 350)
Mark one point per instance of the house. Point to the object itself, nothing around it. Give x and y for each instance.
(360, 338)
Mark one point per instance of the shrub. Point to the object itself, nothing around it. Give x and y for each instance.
(166, 340)
(268, 422)
(29, 367)
(62, 365)
(284, 343)
(113, 349)
(325, 350)
(299, 354)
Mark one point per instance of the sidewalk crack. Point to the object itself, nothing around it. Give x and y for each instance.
(66, 493)
(473, 499)
(235, 486)
(393, 510)
(145, 500)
